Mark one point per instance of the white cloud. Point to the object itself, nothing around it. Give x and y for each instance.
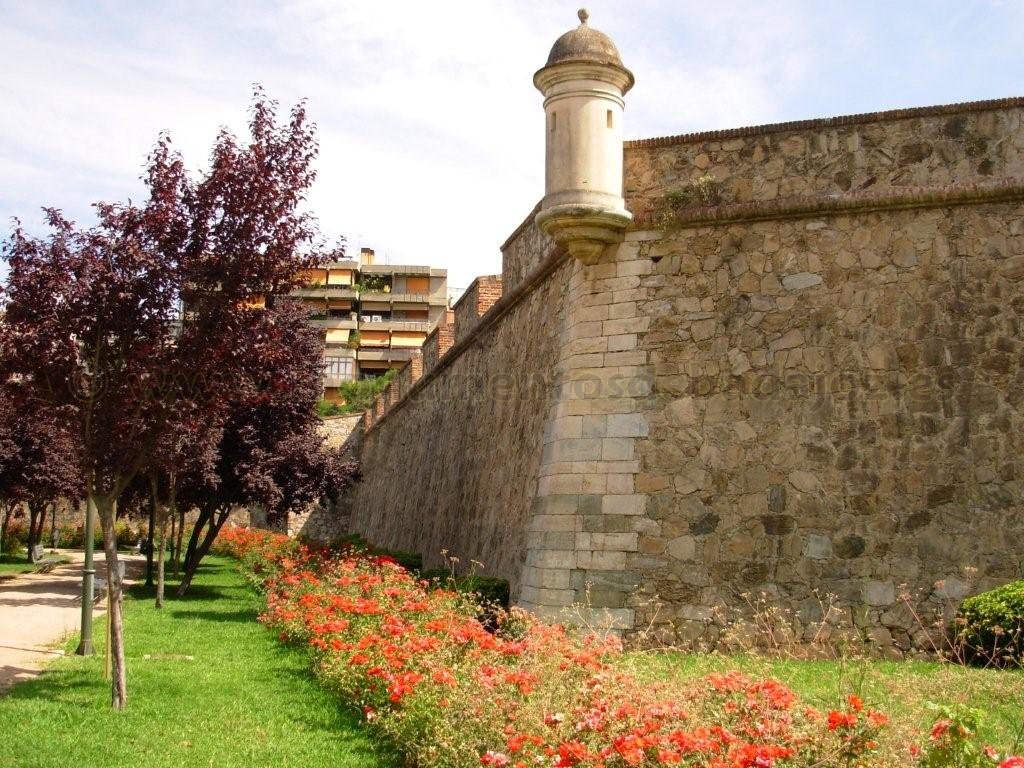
(431, 130)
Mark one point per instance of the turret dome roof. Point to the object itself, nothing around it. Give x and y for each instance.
(584, 44)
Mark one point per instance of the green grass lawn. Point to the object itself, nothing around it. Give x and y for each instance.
(13, 565)
(902, 689)
(242, 700)
(17, 564)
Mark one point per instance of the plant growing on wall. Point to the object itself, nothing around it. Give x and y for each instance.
(703, 190)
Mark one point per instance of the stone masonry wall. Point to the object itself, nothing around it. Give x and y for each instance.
(933, 146)
(811, 380)
(836, 357)
(837, 406)
(523, 252)
(455, 466)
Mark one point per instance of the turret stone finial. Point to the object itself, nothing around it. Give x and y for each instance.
(583, 14)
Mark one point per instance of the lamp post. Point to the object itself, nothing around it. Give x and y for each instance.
(85, 647)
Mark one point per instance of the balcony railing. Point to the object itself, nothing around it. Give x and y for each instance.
(397, 325)
(341, 292)
(386, 353)
(376, 295)
(394, 269)
(334, 322)
(310, 292)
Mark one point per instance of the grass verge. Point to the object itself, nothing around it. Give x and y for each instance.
(901, 689)
(241, 700)
(12, 565)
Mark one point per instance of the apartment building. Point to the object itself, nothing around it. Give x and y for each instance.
(374, 316)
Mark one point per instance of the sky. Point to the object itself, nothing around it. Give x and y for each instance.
(431, 132)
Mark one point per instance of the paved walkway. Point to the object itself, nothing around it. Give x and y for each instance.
(39, 611)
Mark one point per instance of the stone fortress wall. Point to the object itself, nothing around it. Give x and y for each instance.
(808, 378)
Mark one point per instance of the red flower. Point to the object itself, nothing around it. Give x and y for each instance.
(444, 677)
(630, 747)
(877, 719)
(494, 758)
(940, 728)
(838, 720)
(571, 753)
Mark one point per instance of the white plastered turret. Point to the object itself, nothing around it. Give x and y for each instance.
(583, 84)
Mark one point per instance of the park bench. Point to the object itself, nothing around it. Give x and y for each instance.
(99, 585)
(47, 563)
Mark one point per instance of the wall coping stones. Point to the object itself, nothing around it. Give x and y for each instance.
(803, 206)
(828, 122)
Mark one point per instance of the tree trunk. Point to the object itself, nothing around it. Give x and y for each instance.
(4, 520)
(107, 507)
(153, 502)
(174, 523)
(161, 558)
(179, 541)
(53, 525)
(192, 563)
(205, 515)
(36, 518)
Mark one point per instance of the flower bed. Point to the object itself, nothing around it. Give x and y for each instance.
(449, 692)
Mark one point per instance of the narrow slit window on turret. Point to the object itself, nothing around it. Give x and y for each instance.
(609, 118)
(554, 119)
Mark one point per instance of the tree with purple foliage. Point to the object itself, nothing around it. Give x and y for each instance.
(38, 463)
(270, 453)
(94, 322)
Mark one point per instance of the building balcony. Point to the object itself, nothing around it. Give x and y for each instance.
(338, 369)
(386, 353)
(394, 269)
(342, 292)
(421, 326)
(310, 292)
(334, 322)
(419, 298)
(344, 264)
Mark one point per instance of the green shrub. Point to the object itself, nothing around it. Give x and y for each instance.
(358, 395)
(15, 537)
(325, 409)
(491, 590)
(991, 625)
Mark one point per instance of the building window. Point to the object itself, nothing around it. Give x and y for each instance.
(610, 119)
(339, 368)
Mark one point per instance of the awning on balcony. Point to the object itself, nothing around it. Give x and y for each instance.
(339, 277)
(407, 339)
